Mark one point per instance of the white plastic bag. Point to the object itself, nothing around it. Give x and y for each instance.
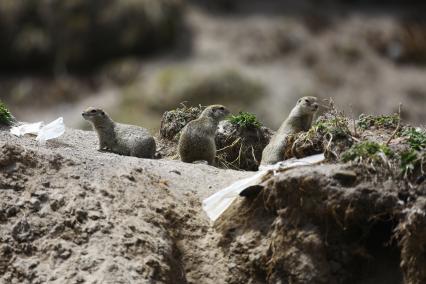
(216, 204)
(52, 130)
(44, 132)
(29, 128)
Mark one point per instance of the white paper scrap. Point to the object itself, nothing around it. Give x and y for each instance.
(217, 203)
(44, 132)
(52, 130)
(28, 128)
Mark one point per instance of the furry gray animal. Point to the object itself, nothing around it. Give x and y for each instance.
(300, 119)
(123, 139)
(197, 138)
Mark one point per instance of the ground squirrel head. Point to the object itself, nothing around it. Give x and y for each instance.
(215, 112)
(95, 115)
(307, 105)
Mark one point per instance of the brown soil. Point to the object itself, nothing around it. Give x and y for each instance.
(241, 147)
(327, 224)
(72, 214)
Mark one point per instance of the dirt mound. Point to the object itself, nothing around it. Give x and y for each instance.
(69, 213)
(172, 122)
(16, 164)
(239, 140)
(356, 219)
(241, 147)
(390, 147)
(327, 224)
(47, 211)
(175, 120)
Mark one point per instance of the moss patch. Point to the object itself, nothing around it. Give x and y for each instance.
(245, 120)
(336, 125)
(386, 121)
(416, 138)
(380, 142)
(413, 159)
(6, 117)
(366, 150)
(330, 134)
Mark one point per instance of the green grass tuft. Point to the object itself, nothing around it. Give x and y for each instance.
(416, 138)
(366, 150)
(245, 120)
(415, 155)
(409, 160)
(383, 121)
(5, 115)
(337, 126)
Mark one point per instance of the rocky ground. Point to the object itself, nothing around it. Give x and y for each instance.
(69, 213)
(72, 214)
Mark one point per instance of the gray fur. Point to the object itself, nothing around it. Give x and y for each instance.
(197, 138)
(300, 119)
(123, 139)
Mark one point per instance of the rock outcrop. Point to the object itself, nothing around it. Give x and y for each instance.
(69, 213)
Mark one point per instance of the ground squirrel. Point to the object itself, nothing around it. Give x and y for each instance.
(197, 138)
(123, 139)
(300, 119)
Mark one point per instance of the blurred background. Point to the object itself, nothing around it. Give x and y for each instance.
(139, 58)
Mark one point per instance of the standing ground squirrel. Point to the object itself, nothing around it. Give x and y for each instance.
(300, 119)
(123, 139)
(197, 138)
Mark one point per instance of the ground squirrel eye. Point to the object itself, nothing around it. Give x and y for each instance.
(93, 111)
(222, 108)
(102, 113)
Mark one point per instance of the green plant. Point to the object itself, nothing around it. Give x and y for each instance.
(5, 115)
(335, 125)
(415, 155)
(366, 150)
(386, 121)
(245, 120)
(409, 160)
(416, 138)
